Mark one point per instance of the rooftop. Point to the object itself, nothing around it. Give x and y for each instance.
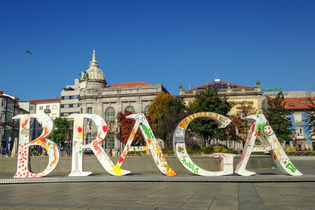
(220, 85)
(298, 103)
(52, 100)
(128, 84)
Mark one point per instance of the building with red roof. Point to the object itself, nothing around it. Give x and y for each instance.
(96, 97)
(235, 93)
(302, 138)
(51, 107)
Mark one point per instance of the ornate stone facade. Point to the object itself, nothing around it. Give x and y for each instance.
(106, 101)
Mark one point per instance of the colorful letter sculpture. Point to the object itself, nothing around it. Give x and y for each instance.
(151, 142)
(226, 166)
(77, 146)
(261, 127)
(24, 159)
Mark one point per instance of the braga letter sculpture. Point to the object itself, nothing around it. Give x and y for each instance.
(152, 144)
(77, 151)
(260, 126)
(24, 158)
(77, 146)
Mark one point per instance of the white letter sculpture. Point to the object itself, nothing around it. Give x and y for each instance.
(151, 142)
(226, 166)
(77, 146)
(24, 159)
(116, 170)
(261, 126)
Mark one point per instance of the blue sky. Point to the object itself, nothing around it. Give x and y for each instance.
(158, 42)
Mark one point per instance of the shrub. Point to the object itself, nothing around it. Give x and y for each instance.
(290, 149)
(218, 149)
(207, 149)
(168, 151)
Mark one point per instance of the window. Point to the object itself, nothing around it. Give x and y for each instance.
(130, 109)
(10, 104)
(88, 138)
(89, 110)
(75, 105)
(110, 114)
(54, 107)
(64, 114)
(9, 117)
(291, 105)
(2, 117)
(3, 102)
(47, 106)
(146, 109)
(299, 132)
(54, 116)
(110, 143)
(41, 107)
(297, 117)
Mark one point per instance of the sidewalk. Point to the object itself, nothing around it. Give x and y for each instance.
(142, 193)
(158, 195)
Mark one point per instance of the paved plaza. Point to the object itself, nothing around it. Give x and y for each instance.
(159, 195)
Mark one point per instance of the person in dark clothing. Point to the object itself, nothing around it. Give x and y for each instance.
(39, 151)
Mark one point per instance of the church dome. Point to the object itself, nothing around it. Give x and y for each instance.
(94, 72)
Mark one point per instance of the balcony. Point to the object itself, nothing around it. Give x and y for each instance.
(47, 111)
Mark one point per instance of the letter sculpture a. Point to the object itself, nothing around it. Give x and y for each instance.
(152, 145)
(261, 127)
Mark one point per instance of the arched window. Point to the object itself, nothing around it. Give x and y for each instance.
(110, 142)
(146, 109)
(130, 109)
(110, 114)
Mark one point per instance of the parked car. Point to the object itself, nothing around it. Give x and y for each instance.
(88, 152)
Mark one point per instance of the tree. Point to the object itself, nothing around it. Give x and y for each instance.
(172, 117)
(62, 130)
(159, 106)
(166, 112)
(208, 100)
(277, 117)
(311, 118)
(242, 125)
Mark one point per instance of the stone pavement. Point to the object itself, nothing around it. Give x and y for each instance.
(158, 195)
(165, 195)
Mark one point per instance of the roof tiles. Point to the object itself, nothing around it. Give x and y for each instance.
(298, 103)
(128, 84)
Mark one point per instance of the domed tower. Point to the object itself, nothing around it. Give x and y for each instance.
(93, 78)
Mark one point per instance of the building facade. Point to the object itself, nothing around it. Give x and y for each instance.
(8, 127)
(50, 107)
(301, 139)
(107, 101)
(290, 94)
(69, 100)
(236, 94)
